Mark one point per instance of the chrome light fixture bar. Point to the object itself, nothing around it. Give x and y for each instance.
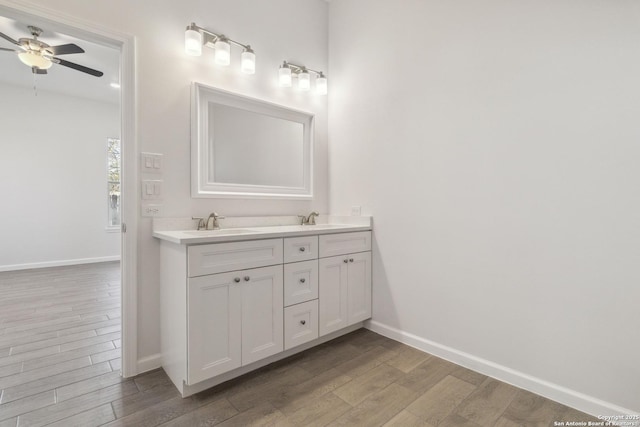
(288, 70)
(195, 37)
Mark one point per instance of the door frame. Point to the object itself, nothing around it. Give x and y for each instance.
(125, 43)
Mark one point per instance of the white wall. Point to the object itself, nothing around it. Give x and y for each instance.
(496, 145)
(278, 30)
(53, 178)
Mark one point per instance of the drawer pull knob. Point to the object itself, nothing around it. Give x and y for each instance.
(350, 259)
(303, 322)
(303, 280)
(345, 260)
(302, 249)
(237, 280)
(247, 278)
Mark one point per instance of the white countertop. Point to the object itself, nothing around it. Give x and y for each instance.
(194, 237)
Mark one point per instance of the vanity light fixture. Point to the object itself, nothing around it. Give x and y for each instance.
(288, 70)
(284, 75)
(195, 37)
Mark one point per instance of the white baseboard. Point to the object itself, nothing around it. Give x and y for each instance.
(568, 397)
(149, 363)
(59, 263)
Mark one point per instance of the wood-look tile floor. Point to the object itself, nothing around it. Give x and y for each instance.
(60, 361)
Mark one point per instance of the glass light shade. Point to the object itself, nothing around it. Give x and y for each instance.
(34, 59)
(193, 42)
(284, 76)
(248, 62)
(223, 52)
(321, 85)
(304, 81)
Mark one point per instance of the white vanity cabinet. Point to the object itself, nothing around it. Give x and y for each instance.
(231, 307)
(344, 280)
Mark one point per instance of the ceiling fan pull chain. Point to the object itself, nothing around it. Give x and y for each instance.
(35, 87)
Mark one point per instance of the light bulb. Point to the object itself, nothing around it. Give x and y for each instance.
(304, 81)
(34, 59)
(223, 51)
(193, 41)
(284, 76)
(321, 85)
(248, 61)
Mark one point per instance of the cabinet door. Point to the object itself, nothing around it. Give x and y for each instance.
(262, 313)
(359, 287)
(332, 294)
(214, 328)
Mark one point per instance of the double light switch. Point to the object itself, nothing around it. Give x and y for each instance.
(151, 189)
(151, 163)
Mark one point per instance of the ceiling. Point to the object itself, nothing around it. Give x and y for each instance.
(62, 79)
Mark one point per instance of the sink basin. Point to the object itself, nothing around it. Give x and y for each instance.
(219, 232)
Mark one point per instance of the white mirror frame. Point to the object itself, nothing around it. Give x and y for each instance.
(201, 187)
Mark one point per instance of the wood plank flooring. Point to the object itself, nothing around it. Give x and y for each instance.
(60, 361)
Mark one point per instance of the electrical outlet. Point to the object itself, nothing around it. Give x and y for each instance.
(151, 210)
(356, 210)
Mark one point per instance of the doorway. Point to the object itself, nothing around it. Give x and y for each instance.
(114, 203)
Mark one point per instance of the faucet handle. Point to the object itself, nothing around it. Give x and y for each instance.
(303, 219)
(201, 224)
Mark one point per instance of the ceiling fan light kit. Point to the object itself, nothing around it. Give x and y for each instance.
(35, 59)
(40, 56)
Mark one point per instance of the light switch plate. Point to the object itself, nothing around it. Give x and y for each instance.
(148, 210)
(151, 162)
(152, 189)
(356, 210)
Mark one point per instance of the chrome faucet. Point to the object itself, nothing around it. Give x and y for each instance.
(214, 223)
(311, 219)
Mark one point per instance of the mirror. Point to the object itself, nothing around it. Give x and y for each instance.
(248, 148)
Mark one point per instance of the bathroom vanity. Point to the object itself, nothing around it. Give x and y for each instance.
(236, 299)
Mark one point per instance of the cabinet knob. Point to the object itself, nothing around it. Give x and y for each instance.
(237, 280)
(350, 259)
(303, 280)
(247, 278)
(345, 260)
(303, 322)
(303, 249)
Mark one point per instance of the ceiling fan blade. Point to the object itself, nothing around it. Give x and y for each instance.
(78, 67)
(36, 70)
(9, 50)
(9, 39)
(66, 49)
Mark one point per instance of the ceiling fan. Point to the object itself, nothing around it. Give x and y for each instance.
(40, 56)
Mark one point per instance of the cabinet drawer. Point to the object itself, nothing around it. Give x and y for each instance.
(300, 282)
(300, 324)
(222, 257)
(344, 243)
(300, 248)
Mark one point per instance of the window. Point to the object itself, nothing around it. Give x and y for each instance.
(113, 182)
